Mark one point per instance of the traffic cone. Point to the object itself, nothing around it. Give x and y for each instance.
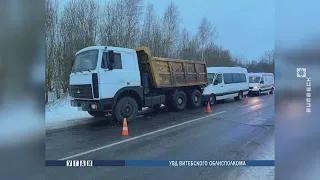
(247, 100)
(268, 94)
(125, 131)
(208, 109)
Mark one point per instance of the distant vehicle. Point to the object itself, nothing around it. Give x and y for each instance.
(122, 81)
(261, 83)
(226, 82)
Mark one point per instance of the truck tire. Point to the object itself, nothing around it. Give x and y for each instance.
(126, 107)
(97, 113)
(179, 101)
(195, 98)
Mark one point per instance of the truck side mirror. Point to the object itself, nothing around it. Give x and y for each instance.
(111, 60)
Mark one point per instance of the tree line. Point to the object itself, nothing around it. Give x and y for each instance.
(129, 23)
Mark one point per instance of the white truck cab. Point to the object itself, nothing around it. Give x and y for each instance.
(260, 83)
(95, 76)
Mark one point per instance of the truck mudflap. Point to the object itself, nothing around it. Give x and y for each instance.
(87, 105)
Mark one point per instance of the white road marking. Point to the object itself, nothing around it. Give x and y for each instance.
(138, 137)
(246, 105)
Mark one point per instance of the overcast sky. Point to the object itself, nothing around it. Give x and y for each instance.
(250, 27)
(245, 27)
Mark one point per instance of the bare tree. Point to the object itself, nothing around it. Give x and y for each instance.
(51, 18)
(146, 29)
(78, 29)
(264, 64)
(133, 11)
(171, 29)
(189, 46)
(206, 34)
(157, 38)
(120, 23)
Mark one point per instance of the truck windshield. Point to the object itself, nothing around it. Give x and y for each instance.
(210, 77)
(85, 61)
(254, 79)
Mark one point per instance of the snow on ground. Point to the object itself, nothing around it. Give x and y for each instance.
(60, 114)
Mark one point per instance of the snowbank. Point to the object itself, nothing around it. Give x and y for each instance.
(60, 114)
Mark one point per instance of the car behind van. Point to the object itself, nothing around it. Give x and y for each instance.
(260, 83)
(224, 83)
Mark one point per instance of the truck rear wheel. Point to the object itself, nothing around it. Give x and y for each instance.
(126, 107)
(179, 101)
(195, 99)
(97, 113)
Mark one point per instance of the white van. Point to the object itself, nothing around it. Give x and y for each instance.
(226, 82)
(261, 83)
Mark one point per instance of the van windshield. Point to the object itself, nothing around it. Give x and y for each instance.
(254, 79)
(210, 77)
(85, 61)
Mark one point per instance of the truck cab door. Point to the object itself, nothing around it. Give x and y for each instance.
(124, 73)
(111, 80)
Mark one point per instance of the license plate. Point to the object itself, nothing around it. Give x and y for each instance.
(80, 108)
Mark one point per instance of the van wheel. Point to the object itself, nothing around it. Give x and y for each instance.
(212, 99)
(259, 92)
(126, 107)
(97, 113)
(272, 91)
(195, 99)
(240, 96)
(179, 101)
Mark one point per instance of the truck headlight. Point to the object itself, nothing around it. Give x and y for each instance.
(94, 106)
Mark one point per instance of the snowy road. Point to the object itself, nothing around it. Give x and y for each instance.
(232, 131)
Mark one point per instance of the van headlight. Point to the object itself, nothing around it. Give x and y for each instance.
(255, 87)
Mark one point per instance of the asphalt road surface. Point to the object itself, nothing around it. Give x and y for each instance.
(233, 131)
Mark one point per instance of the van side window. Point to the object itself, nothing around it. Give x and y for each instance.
(227, 78)
(219, 78)
(243, 78)
(236, 78)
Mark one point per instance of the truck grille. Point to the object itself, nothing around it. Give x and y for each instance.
(81, 91)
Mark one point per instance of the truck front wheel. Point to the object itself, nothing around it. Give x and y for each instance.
(97, 113)
(179, 101)
(126, 107)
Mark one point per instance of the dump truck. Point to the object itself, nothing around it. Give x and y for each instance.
(121, 81)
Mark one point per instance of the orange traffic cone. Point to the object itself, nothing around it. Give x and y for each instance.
(247, 100)
(208, 109)
(268, 94)
(125, 131)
